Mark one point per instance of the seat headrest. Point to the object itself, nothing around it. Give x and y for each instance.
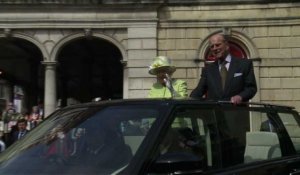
(262, 138)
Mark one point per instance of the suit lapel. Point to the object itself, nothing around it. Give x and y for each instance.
(215, 72)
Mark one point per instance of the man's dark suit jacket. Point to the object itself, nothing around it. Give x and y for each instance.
(240, 81)
(15, 135)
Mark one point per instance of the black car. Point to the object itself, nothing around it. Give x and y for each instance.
(160, 136)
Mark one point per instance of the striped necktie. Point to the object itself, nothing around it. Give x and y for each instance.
(223, 73)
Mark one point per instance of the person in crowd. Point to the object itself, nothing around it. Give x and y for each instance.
(58, 147)
(165, 87)
(78, 141)
(228, 78)
(41, 110)
(21, 130)
(34, 117)
(10, 117)
(2, 145)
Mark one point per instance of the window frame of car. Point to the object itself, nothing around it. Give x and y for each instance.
(296, 116)
(286, 143)
(87, 111)
(272, 113)
(141, 161)
(289, 161)
(162, 131)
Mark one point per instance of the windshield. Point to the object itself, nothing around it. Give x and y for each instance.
(81, 141)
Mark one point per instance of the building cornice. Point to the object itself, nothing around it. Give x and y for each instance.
(229, 23)
(77, 24)
(145, 2)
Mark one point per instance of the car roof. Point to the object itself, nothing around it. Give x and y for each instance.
(174, 101)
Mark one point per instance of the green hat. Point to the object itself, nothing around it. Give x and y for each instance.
(161, 63)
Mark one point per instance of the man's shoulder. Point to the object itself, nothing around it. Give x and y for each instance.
(211, 65)
(242, 61)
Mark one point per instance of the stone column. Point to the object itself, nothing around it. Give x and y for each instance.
(50, 88)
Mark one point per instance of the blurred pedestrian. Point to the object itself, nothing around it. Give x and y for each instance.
(9, 117)
(21, 130)
(34, 117)
(2, 145)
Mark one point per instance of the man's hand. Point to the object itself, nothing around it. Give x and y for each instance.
(236, 99)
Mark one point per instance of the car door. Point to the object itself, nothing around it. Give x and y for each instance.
(187, 145)
(230, 140)
(261, 148)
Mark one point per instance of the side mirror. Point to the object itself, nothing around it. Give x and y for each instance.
(178, 163)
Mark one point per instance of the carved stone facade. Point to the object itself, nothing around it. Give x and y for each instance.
(269, 32)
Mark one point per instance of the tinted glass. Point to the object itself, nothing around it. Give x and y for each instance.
(291, 123)
(248, 136)
(81, 141)
(191, 131)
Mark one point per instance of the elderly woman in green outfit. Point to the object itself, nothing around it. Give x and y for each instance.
(165, 87)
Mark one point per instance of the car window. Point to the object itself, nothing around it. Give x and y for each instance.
(135, 130)
(224, 137)
(101, 141)
(291, 124)
(112, 137)
(190, 132)
(248, 136)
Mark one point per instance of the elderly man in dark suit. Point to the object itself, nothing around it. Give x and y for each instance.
(228, 78)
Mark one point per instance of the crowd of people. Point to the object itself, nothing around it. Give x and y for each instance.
(15, 125)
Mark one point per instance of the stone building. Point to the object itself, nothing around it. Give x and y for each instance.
(55, 50)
